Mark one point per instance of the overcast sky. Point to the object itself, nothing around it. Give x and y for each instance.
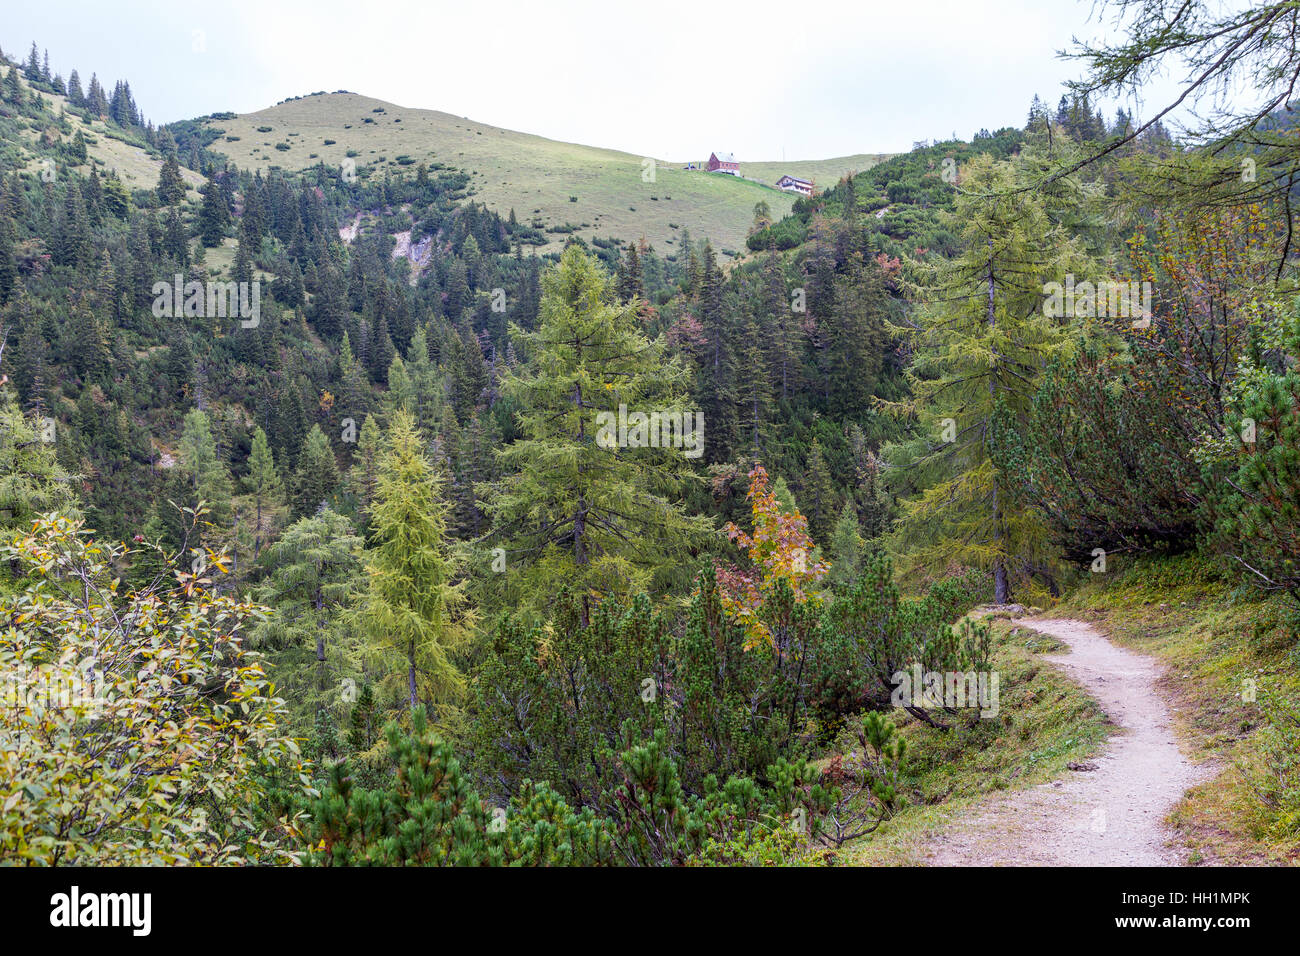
(802, 79)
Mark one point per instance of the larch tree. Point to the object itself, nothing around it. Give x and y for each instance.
(579, 507)
(206, 472)
(412, 615)
(980, 345)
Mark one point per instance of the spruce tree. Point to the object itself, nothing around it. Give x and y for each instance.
(8, 265)
(264, 490)
(717, 375)
(817, 492)
(317, 474)
(214, 215)
(363, 478)
(313, 571)
(171, 188)
(426, 383)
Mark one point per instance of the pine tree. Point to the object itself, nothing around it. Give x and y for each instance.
(412, 616)
(427, 814)
(361, 720)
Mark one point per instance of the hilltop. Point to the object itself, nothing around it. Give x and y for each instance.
(562, 188)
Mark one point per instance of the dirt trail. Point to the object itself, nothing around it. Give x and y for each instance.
(1110, 816)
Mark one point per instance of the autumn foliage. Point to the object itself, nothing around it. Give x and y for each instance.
(779, 548)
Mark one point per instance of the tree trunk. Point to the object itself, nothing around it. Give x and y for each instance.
(410, 657)
(1001, 586)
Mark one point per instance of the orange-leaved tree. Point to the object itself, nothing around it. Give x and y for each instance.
(780, 549)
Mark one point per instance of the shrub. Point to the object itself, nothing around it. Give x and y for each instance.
(1255, 511)
(1277, 782)
(136, 729)
(1138, 494)
(429, 815)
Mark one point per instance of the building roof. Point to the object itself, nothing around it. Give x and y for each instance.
(725, 157)
(795, 179)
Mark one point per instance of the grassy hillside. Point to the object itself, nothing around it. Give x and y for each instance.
(551, 184)
(107, 146)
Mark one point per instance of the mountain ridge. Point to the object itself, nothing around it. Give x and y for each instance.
(561, 188)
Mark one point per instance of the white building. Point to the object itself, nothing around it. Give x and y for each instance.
(793, 184)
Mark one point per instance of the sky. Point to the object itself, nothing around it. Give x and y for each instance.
(801, 79)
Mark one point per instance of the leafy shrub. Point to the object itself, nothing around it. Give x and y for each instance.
(136, 728)
(870, 633)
